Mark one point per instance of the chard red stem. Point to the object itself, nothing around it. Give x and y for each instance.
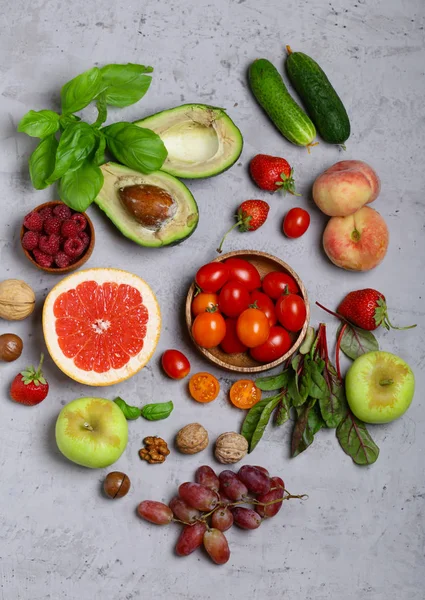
(338, 349)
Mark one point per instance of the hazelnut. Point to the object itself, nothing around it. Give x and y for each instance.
(192, 438)
(10, 347)
(17, 300)
(230, 448)
(116, 485)
(149, 205)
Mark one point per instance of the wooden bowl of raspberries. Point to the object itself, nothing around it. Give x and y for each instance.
(57, 239)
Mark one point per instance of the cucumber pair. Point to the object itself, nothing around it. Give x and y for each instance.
(315, 90)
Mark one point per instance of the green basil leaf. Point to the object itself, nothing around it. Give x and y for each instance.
(130, 412)
(137, 148)
(253, 417)
(75, 144)
(282, 412)
(272, 382)
(78, 189)
(102, 111)
(39, 124)
(80, 91)
(356, 441)
(65, 120)
(158, 411)
(308, 423)
(126, 84)
(318, 386)
(42, 162)
(333, 406)
(99, 155)
(355, 341)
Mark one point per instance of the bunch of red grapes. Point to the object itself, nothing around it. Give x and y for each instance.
(212, 505)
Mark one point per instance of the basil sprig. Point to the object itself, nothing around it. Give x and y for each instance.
(131, 413)
(71, 150)
(157, 411)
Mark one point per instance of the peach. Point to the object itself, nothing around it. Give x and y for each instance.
(345, 187)
(358, 242)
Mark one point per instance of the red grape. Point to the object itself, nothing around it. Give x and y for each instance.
(263, 470)
(183, 511)
(216, 545)
(224, 499)
(222, 519)
(190, 538)
(206, 477)
(255, 480)
(276, 493)
(155, 512)
(246, 518)
(231, 486)
(198, 496)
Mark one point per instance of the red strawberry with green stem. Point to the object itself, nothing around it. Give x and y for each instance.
(272, 173)
(29, 387)
(250, 216)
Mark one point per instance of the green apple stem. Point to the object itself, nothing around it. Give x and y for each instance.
(88, 427)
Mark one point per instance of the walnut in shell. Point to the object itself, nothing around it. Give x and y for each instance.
(230, 448)
(192, 439)
(17, 300)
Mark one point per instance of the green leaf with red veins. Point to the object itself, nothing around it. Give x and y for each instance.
(308, 423)
(273, 382)
(282, 412)
(356, 441)
(356, 341)
(334, 405)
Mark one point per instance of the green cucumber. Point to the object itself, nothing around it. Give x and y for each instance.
(271, 93)
(319, 97)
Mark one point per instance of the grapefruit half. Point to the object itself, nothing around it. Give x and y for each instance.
(101, 326)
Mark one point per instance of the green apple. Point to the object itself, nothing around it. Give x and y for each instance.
(379, 387)
(92, 432)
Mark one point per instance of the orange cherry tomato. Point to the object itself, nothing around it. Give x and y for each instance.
(252, 327)
(204, 387)
(208, 329)
(203, 301)
(244, 394)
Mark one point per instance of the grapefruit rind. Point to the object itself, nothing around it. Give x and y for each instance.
(135, 363)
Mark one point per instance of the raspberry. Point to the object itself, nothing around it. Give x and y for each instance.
(62, 260)
(73, 247)
(33, 221)
(62, 211)
(44, 260)
(52, 225)
(46, 212)
(30, 240)
(49, 244)
(85, 238)
(80, 220)
(69, 228)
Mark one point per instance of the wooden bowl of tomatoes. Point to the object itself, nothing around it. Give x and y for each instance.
(247, 311)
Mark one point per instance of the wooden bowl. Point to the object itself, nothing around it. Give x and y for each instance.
(243, 363)
(76, 265)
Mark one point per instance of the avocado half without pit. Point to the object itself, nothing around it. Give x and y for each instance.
(152, 210)
(201, 140)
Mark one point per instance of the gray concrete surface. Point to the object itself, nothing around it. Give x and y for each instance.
(360, 536)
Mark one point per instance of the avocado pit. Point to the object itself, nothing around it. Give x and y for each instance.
(149, 205)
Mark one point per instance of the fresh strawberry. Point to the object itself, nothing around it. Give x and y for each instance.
(62, 211)
(30, 240)
(29, 387)
(250, 216)
(33, 221)
(272, 173)
(367, 309)
(52, 225)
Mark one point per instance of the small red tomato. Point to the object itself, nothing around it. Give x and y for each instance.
(276, 345)
(231, 344)
(175, 364)
(204, 301)
(252, 327)
(276, 283)
(264, 303)
(244, 272)
(291, 312)
(296, 222)
(233, 299)
(212, 276)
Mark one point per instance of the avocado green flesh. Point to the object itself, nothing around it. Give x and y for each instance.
(201, 140)
(179, 227)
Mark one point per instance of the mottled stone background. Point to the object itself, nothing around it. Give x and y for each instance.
(360, 535)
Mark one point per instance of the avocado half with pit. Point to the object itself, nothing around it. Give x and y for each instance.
(152, 210)
(201, 140)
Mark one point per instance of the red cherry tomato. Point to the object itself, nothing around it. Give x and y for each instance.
(212, 276)
(296, 222)
(231, 344)
(264, 303)
(175, 364)
(291, 312)
(252, 327)
(233, 299)
(276, 282)
(244, 272)
(276, 345)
